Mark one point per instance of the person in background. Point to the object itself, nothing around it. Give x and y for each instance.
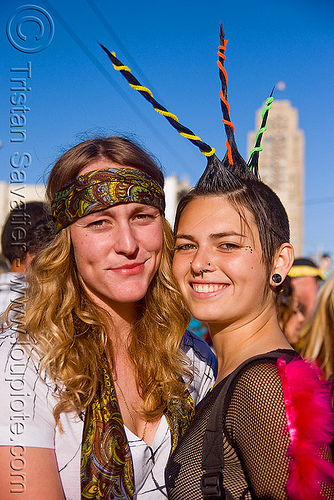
(4, 266)
(200, 329)
(39, 236)
(325, 264)
(306, 278)
(319, 338)
(110, 376)
(289, 314)
(14, 248)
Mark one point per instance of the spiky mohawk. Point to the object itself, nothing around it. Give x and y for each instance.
(218, 174)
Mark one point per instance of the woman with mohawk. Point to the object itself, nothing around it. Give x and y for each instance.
(265, 429)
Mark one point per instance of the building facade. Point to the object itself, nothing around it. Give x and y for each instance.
(13, 195)
(281, 163)
(174, 190)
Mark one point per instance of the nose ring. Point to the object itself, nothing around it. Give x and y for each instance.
(191, 269)
(201, 271)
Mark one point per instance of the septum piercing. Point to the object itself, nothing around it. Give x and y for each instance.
(201, 271)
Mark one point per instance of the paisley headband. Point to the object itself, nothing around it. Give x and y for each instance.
(100, 189)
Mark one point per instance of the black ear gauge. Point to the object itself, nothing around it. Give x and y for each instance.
(277, 278)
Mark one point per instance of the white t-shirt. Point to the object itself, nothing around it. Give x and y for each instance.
(26, 418)
(12, 287)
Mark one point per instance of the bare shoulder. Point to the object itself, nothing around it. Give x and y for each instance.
(29, 474)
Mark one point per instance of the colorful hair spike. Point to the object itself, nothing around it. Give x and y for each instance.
(145, 92)
(254, 153)
(232, 161)
(229, 127)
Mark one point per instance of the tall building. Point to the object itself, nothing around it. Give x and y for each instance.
(281, 163)
(12, 195)
(174, 190)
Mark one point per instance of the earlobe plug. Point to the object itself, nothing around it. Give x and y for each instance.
(277, 278)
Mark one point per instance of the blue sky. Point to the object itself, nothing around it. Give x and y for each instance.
(75, 93)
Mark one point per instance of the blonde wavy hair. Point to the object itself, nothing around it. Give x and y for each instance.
(68, 330)
(319, 339)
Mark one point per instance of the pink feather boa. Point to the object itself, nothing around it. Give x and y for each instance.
(310, 424)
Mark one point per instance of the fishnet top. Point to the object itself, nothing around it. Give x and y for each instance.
(255, 440)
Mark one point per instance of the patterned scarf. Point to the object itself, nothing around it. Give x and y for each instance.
(101, 189)
(106, 463)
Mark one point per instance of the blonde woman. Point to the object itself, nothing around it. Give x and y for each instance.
(99, 380)
(319, 339)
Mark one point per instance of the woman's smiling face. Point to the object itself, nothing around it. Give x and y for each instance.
(211, 236)
(117, 250)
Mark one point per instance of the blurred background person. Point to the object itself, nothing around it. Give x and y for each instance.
(306, 278)
(18, 225)
(200, 329)
(325, 264)
(290, 317)
(3, 264)
(319, 338)
(38, 237)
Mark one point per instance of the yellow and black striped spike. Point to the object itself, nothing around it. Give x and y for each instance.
(145, 92)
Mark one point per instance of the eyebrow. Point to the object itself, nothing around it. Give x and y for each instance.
(213, 236)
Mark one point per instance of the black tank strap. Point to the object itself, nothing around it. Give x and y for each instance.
(213, 454)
